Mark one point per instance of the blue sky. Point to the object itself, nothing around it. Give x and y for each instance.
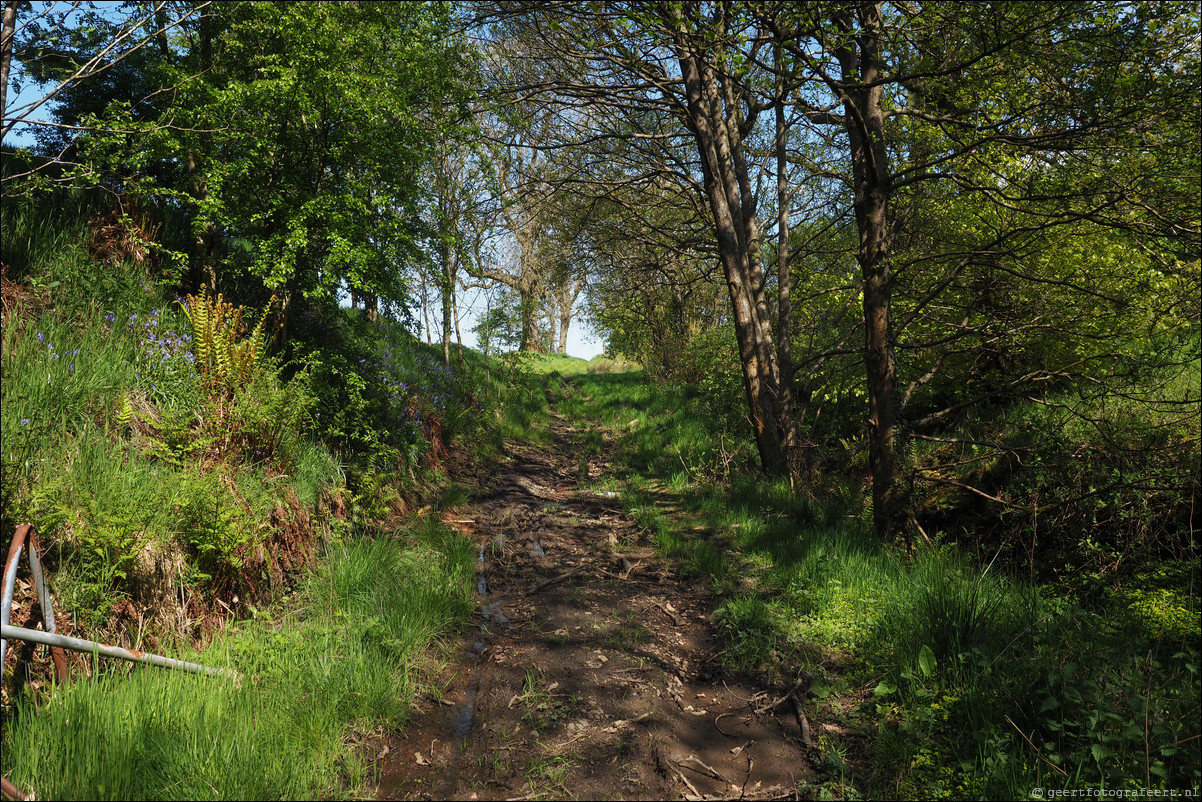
(473, 303)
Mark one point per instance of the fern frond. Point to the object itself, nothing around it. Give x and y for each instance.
(125, 412)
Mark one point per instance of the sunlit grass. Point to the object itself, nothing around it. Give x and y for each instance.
(344, 655)
(954, 649)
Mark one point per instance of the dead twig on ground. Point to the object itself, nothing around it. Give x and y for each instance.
(770, 794)
(546, 583)
(719, 728)
(675, 621)
(705, 768)
(804, 680)
(691, 787)
(802, 721)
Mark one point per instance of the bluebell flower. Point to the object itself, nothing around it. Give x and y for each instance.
(24, 421)
(41, 337)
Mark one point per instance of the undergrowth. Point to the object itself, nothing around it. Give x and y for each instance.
(343, 654)
(957, 676)
(186, 476)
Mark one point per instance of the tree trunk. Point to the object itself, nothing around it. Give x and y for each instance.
(865, 125)
(448, 297)
(426, 308)
(7, 36)
(455, 317)
(565, 320)
(715, 127)
(552, 324)
(567, 293)
(784, 280)
(529, 312)
(160, 22)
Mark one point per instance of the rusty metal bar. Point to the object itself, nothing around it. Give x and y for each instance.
(95, 647)
(27, 533)
(11, 791)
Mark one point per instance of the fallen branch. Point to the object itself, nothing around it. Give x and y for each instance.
(719, 729)
(804, 680)
(802, 721)
(685, 780)
(708, 770)
(546, 583)
(775, 792)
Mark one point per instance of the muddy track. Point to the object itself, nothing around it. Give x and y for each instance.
(591, 671)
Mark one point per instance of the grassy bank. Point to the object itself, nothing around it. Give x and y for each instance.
(321, 670)
(198, 492)
(941, 675)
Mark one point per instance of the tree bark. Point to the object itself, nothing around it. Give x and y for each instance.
(565, 320)
(784, 280)
(865, 126)
(6, 53)
(713, 120)
(552, 323)
(448, 295)
(529, 311)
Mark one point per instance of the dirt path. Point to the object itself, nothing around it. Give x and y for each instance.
(592, 672)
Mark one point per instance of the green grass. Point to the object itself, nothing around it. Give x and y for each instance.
(978, 683)
(100, 451)
(959, 656)
(108, 447)
(343, 656)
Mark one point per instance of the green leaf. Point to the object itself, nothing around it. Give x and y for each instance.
(926, 661)
(884, 689)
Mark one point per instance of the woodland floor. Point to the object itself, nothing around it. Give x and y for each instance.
(592, 669)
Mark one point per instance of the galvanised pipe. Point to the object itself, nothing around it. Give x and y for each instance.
(95, 647)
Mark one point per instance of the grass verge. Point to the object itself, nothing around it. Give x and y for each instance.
(344, 654)
(941, 676)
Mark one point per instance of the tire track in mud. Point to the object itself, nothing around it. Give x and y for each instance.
(591, 672)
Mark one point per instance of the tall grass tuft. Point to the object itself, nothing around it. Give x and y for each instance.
(955, 609)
